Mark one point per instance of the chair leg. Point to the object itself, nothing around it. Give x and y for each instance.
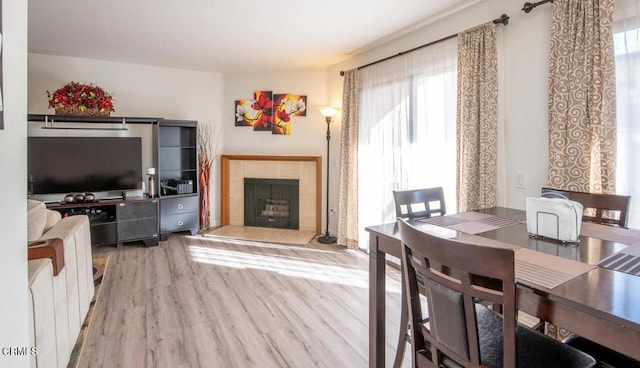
(404, 326)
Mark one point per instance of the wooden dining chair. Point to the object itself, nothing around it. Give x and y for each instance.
(413, 204)
(609, 209)
(461, 332)
(419, 203)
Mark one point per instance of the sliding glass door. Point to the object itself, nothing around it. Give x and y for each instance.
(627, 50)
(407, 130)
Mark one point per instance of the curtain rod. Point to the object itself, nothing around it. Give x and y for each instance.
(503, 19)
(528, 7)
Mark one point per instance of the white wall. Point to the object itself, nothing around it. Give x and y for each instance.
(14, 320)
(138, 90)
(524, 48)
(308, 133)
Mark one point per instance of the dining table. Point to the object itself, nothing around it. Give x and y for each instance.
(590, 287)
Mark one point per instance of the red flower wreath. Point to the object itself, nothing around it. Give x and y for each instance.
(82, 96)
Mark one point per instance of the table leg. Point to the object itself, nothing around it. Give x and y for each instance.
(377, 304)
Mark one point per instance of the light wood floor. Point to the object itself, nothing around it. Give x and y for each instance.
(202, 302)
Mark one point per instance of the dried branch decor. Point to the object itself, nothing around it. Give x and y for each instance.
(208, 142)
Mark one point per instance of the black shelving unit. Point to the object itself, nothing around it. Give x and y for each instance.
(177, 175)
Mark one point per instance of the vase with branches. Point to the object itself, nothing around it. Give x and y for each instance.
(207, 143)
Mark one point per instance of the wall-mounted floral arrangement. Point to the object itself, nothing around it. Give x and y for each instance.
(270, 112)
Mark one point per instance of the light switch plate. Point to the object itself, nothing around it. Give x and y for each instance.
(521, 179)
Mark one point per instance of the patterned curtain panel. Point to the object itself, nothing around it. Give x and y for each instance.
(477, 118)
(348, 197)
(582, 97)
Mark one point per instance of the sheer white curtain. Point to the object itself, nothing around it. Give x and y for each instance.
(626, 41)
(407, 130)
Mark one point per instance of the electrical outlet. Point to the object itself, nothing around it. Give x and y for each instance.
(521, 179)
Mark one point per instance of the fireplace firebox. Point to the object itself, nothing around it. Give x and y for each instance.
(271, 203)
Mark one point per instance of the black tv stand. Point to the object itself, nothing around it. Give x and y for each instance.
(117, 221)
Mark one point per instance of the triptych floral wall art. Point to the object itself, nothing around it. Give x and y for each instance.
(270, 112)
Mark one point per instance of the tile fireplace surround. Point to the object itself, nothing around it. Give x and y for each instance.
(307, 169)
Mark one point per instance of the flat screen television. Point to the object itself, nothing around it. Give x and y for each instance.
(84, 164)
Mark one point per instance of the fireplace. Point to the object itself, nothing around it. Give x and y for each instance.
(306, 169)
(271, 203)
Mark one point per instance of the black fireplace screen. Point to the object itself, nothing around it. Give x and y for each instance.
(271, 203)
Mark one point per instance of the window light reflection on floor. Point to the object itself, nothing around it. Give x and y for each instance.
(286, 265)
(257, 244)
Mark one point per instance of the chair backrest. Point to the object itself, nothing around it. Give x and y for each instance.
(455, 274)
(608, 209)
(419, 203)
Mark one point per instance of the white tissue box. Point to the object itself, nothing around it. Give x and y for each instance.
(554, 218)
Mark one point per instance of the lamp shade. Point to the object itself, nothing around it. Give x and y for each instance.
(329, 111)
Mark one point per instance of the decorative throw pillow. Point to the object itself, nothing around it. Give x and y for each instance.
(53, 217)
(36, 219)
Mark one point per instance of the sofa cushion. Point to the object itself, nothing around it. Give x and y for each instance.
(42, 312)
(76, 237)
(53, 217)
(36, 219)
(72, 291)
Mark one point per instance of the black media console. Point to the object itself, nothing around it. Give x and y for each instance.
(175, 207)
(117, 221)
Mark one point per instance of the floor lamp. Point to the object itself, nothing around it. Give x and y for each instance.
(328, 113)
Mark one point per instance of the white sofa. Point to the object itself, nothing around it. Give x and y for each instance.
(58, 304)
